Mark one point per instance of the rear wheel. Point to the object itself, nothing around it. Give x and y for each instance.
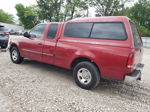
(86, 75)
(15, 55)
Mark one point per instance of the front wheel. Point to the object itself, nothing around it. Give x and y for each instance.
(15, 55)
(86, 75)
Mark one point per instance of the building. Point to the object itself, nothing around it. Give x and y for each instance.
(12, 26)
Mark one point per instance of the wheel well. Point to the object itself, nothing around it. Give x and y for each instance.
(81, 59)
(13, 45)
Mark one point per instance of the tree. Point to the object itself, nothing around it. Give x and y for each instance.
(50, 10)
(6, 18)
(105, 7)
(61, 10)
(75, 8)
(123, 3)
(28, 16)
(140, 13)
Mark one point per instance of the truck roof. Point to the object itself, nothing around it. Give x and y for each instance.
(53, 23)
(94, 19)
(102, 18)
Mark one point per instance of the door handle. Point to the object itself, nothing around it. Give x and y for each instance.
(40, 44)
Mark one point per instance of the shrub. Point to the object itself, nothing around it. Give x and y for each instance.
(145, 32)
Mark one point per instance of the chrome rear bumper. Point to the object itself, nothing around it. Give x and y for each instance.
(136, 75)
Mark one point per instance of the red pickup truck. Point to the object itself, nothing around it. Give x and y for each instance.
(93, 48)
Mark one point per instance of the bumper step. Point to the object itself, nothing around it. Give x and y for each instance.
(136, 75)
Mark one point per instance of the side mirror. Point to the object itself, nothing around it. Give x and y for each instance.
(26, 34)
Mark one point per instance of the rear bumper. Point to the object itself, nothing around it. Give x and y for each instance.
(136, 75)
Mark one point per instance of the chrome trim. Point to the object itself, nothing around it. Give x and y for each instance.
(130, 66)
(138, 66)
(136, 75)
(48, 54)
(32, 51)
(84, 76)
(38, 52)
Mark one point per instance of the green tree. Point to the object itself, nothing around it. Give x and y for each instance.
(61, 10)
(145, 32)
(105, 7)
(28, 16)
(123, 4)
(50, 10)
(75, 8)
(6, 18)
(140, 14)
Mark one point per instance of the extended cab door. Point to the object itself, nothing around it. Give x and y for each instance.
(32, 46)
(50, 43)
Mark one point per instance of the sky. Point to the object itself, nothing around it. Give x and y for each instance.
(9, 5)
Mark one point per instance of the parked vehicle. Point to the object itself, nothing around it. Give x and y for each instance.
(12, 32)
(93, 48)
(4, 30)
(3, 41)
(4, 36)
(20, 32)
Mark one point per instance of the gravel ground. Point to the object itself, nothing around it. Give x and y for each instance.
(37, 87)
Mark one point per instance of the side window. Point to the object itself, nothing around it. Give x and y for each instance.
(81, 30)
(52, 31)
(136, 37)
(38, 31)
(112, 31)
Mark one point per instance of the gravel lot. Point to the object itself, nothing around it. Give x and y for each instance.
(37, 87)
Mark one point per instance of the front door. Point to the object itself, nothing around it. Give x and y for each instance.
(50, 43)
(32, 47)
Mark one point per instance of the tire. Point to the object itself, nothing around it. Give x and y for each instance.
(92, 77)
(15, 55)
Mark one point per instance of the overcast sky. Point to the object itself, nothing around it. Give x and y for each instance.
(9, 5)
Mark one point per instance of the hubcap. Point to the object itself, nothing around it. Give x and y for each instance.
(14, 55)
(84, 76)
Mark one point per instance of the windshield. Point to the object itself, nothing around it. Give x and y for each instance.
(136, 37)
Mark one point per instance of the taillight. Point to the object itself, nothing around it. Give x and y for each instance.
(130, 63)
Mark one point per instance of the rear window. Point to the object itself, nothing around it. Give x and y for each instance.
(136, 37)
(103, 30)
(113, 31)
(52, 31)
(78, 30)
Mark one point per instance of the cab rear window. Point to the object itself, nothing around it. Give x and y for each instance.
(103, 30)
(81, 30)
(52, 31)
